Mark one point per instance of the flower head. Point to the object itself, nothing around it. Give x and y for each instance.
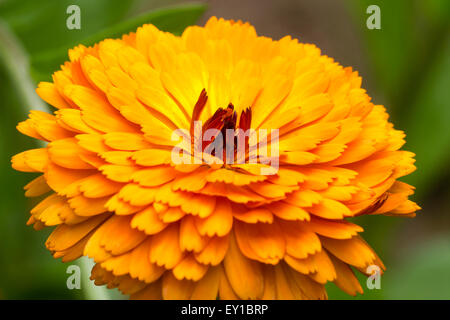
(202, 228)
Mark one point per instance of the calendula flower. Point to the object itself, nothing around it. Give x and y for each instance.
(208, 229)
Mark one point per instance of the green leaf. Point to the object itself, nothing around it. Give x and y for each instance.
(422, 273)
(426, 125)
(410, 57)
(412, 33)
(174, 19)
(41, 25)
(389, 48)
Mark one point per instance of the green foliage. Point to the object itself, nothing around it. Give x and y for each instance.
(422, 274)
(410, 58)
(173, 20)
(41, 25)
(426, 123)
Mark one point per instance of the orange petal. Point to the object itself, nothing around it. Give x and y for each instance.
(65, 236)
(33, 160)
(190, 239)
(317, 265)
(165, 248)
(353, 251)
(174, 289)
(120, 237)
(154, 176)
(140, 266)
(218, 223)
(37, 187)
(214, 251)
(300, 242)
(208, 287)
(189, 269)
(265, 240)
(345, 277)
(151, 292)
(332, 229)
(287, 211)
(245, 276)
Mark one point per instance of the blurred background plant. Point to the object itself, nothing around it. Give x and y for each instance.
(405, 66)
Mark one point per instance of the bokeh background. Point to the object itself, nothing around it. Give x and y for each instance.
(405, 66)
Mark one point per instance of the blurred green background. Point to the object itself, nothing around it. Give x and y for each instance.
(405, 66)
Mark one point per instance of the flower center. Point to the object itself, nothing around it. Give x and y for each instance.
(222, 121)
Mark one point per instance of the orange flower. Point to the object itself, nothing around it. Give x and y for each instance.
(157, 229)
